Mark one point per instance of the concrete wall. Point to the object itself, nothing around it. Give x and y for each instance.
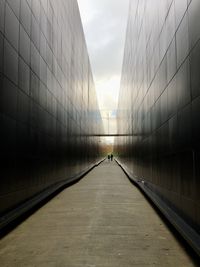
(159, 103)
(48, 106)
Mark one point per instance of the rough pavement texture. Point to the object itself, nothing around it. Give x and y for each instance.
(102, 221)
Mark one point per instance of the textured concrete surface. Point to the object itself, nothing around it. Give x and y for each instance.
(102, 221)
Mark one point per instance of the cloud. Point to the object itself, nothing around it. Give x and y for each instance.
(104, 23)
(104, 26)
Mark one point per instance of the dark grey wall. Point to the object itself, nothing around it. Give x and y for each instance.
(160, 102)
(48, 105)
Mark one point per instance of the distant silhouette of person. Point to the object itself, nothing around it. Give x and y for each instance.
(108, 157)
(111, 156)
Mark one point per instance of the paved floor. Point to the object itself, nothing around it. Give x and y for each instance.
(102, 221)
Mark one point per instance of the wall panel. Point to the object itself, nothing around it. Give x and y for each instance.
(159, 102)
(48, 105)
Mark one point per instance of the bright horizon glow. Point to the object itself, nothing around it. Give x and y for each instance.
(104, 24)
(108, 92)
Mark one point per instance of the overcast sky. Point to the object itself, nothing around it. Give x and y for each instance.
(104, 23)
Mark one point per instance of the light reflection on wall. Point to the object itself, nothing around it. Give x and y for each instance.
(159, 102)
(48, 106)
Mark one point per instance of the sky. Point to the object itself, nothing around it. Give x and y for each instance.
(104, 24)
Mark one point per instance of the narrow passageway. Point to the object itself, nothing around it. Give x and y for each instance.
(101, 221)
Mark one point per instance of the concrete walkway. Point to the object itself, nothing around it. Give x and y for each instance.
(102, 221)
